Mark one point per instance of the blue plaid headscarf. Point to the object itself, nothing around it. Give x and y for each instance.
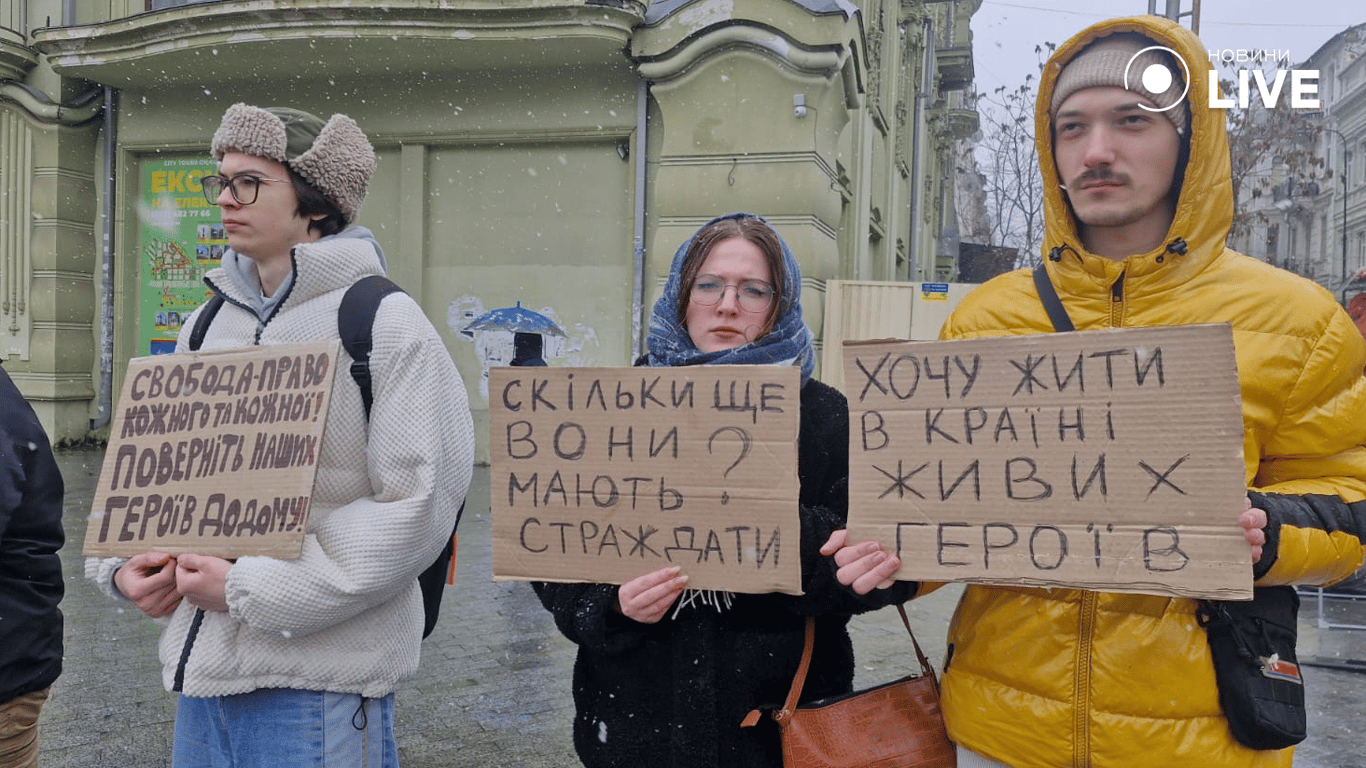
(788, 343)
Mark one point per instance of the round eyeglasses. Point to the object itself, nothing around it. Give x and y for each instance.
(752, 295)
(244, 187)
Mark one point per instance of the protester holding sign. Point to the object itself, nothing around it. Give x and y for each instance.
(1138, 202)
(664, 674)
(31, 585)
(295, 662)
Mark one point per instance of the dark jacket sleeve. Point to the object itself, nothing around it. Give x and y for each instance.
(585, 614)
(31, 584)
(1329, 515)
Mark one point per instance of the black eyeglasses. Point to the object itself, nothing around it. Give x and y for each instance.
(752, 295)
(243, 187)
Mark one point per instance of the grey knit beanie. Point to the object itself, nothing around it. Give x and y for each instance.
(335, 157)
(1113, 60)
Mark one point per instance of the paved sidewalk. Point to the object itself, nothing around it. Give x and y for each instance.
(493, 688)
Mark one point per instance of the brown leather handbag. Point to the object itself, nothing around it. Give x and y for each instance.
(893, 725)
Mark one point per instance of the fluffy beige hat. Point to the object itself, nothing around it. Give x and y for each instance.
(1111, 60)
(336, 157)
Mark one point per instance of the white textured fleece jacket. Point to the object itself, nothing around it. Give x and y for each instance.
(347, 615)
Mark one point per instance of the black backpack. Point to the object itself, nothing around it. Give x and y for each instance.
(355, 321)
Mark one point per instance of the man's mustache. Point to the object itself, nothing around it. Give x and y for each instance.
(1101, 173)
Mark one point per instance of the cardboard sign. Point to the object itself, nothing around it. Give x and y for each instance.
(214, 453)
(606, 474)
(1107, 460)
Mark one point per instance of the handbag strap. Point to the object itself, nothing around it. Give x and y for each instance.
(799, 680)
(1051, 303)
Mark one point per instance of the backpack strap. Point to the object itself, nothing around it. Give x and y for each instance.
(1051, 303)
(355, 325)
(202, 320)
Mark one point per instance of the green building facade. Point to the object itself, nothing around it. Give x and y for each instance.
(548, 152)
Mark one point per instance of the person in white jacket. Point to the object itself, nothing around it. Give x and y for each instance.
(294, 662)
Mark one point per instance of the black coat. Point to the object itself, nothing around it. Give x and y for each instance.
(674, 693)
(30, 534)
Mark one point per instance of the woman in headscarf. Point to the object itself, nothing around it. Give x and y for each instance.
(665, 674)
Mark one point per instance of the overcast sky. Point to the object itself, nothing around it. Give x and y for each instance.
(1005, 32)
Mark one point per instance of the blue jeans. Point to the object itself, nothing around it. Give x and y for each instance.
(285, 728)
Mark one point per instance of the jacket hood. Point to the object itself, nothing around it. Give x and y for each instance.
(1204, 210)
(240, 272)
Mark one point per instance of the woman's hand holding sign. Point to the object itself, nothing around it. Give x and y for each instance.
(862, 566)
(647, 598)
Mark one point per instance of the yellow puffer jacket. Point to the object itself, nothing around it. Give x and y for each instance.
(1058, 677)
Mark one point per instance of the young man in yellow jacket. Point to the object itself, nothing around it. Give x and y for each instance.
(1138, 203)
